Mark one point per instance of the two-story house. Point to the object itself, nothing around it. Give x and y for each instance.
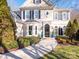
(38, 17)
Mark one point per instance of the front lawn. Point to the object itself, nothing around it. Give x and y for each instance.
(63, 52)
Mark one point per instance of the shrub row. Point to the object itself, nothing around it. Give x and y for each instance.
(21, 42)
(66, 40)
(26, 41)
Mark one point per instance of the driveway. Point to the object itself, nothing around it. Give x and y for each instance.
(32, 52)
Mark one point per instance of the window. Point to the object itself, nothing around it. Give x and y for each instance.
(36, 1)
(55, 16)
(47, 13)
(27, 14)
(23, 14)
(31, 14)
(65, 16)
(36, 14)
(56, 30)
(60, 16)
(30, 30)
(36, 30)
(60, 31)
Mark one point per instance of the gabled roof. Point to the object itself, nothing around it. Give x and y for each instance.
(43, 5)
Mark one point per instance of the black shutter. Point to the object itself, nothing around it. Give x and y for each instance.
(39, 14)
(23, 14)
(30, 14)
(33, 14)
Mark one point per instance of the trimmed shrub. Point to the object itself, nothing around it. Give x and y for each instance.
(26, 41)
(34, 40)
(23, 42)
(62, 39)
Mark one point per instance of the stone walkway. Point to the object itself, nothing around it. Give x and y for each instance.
(32, 52)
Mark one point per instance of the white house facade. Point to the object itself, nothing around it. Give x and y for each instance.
(40, 18)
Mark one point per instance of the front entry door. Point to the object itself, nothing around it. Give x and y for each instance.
(47, 30)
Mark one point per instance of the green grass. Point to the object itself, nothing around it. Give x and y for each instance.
(63, 52)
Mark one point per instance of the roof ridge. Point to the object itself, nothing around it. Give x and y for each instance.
(47, 3)
(30, 1)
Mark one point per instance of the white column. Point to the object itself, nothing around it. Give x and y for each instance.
(27, 30)
(43, 31)
(24, 30)
(51, 30)
(33, 30)
(37, 30)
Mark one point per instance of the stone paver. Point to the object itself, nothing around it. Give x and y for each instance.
(32, 52)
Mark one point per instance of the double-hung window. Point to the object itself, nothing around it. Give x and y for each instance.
(60, 16)
(31, 14)
(65, 16)
(27, 14)
(30, 30)
(56, 16)
(36, 14)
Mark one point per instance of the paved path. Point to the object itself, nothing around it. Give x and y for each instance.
(32, 52)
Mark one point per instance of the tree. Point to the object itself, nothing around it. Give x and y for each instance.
(68, 30)
(75, 25)
(7, 27)
(71, 29)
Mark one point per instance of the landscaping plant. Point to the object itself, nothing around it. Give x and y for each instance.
(7, 27)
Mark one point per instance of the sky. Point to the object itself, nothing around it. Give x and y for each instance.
(74, 4)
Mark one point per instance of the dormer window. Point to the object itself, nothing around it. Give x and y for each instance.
(36, 1)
